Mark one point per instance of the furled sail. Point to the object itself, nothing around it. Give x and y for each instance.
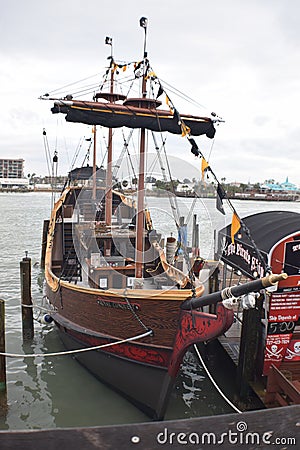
(133, 113)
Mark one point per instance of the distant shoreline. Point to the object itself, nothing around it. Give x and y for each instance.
(163, 194)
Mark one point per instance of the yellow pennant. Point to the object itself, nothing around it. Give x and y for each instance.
(235, 226)
(204, 166)
(169, 103)
(185, 130)
(151, 75)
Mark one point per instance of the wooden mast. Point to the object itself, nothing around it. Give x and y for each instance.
(108, 199)
(141, 183)
(94, 192)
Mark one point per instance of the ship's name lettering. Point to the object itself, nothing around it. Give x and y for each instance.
(117, 305)
(243, 253)
(296, 248)
(256, 265)
(230, 250)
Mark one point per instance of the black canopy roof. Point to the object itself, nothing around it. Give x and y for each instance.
(266, 229)
(85, 173)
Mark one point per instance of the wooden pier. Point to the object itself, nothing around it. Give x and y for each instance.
(283, 387)
(254, 429)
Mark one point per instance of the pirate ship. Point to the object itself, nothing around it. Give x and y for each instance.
(114, 288)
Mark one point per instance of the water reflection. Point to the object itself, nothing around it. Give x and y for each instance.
(48, 392)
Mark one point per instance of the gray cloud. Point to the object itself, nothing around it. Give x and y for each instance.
(238, 58)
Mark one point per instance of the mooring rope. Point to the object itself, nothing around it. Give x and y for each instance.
(80, 350)
(213, 381)
(41, 308)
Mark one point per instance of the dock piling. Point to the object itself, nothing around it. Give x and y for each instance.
(2, 347)
(249, 347)
(44, 242)
(26, 301)
(3, 387)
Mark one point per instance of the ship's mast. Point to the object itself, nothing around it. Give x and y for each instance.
(94, 192)
(141, 183)
(108, 193)
(108, 200)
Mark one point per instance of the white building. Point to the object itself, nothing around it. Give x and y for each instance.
(12, 174)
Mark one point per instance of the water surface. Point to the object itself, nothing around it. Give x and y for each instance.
(49, 392)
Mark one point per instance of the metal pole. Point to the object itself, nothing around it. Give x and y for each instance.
(26, 301)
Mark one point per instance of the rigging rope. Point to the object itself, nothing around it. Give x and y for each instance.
(213, 381)
(183, 95)
(80, 350)
(125, 149)
(47, 151)
(171, 195)
(224, 196)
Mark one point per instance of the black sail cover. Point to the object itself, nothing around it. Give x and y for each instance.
(112, 115)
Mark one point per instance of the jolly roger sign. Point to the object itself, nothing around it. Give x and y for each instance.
(293, 351)
(275, 350)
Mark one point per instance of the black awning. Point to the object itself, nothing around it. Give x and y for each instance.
(266, 230)
(85, 173)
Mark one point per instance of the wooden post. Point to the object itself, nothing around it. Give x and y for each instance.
(194, 234)
(27, 312)
(3, 388)
(2, 348)
(250, 337)
(44, 242)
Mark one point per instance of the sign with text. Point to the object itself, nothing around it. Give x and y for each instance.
(275, 350)
(292, 258)
(284, 306)
(243, 257)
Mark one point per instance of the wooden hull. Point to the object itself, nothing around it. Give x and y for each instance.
(141, 334)
(144, 370)
(144, 385)
(97, 311)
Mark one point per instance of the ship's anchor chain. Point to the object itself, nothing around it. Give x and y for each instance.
(135, 315)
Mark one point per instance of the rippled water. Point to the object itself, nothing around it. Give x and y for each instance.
(48, 392)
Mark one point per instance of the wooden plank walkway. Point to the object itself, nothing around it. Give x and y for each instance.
(254, 429)
(282, 390)
(231, 341)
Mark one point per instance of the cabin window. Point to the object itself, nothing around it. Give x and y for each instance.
(95, 259)
(103, 283)
(130, 281)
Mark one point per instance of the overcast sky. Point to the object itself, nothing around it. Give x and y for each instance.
(240, 59)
